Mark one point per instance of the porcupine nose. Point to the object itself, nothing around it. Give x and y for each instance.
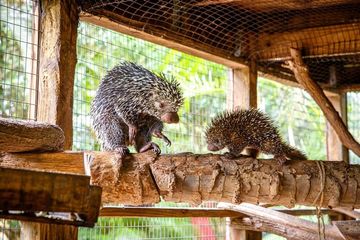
(170, 117)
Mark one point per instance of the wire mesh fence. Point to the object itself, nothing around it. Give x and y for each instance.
(204, 85)
(299, 118)
(327, 31)
(9, 230)
(353, 109)
(19, 30)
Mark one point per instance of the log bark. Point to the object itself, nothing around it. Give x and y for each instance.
(302, 75)
(196, 178)
(267, 220)
(193, 178)
(24, 136)
(349, 229)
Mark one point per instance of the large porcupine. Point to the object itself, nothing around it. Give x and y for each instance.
(130, 105)
(240, 129)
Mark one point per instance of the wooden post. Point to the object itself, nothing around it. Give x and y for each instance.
(244, 95)
(59, 22)
(335, 150)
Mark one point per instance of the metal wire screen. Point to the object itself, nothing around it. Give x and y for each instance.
(327, 31)
(204, 85)
(18, 58)
(19, 46)
(353, 108)
(298, 117)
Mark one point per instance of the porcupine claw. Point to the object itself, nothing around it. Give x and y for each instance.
(163, 137)
(132, 134)
(152, 146)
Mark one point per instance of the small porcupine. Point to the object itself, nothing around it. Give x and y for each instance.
(242, 129)
(131, 104)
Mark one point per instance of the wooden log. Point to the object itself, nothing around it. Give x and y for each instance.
(37, 231)
(267, 220)
(301, 73)
(201, 177)
(24, 136)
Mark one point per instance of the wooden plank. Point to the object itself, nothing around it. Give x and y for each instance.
(66, 162)
(333, 40)
(301, 73)
(59, 23)
(185, 46)
(24, 136)
(37, 231)
(349, 229)
(267, 220)
(166, 212)
(43, 191)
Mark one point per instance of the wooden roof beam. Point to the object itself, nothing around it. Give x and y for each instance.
(336, 40)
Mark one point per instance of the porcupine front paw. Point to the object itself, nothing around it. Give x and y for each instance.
(281, 159)
(152, 146)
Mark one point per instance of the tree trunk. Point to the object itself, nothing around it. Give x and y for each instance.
(24, 136)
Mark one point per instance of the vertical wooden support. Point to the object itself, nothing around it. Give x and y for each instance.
(59, 22)
(244, 95)
(335, 150)
(244, 84)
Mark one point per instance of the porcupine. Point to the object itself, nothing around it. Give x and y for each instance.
(131, 105)
(248, 129)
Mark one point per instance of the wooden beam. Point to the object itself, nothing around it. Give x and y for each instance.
(334, 148)
(59, 23)
(166, 212)
(203, 177)
(336, 40)
(24, 136)
(244, 87)
(185, 46)
(302, 75)
(350, 230)
(29, 190)
(267, 220)
(36, 231)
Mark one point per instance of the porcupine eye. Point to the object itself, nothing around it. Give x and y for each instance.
(159, 105)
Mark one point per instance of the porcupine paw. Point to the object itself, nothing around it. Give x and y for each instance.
(281, 159)
(167, 141)
(151, 145)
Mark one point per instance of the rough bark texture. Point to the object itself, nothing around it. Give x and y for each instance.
(302, 75)
(196, 178)
(267, 220)
(24, 136)
(59, 21)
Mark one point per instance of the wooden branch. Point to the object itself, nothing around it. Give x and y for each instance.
(23, 136)
(32, 191)
(301, 73)
(267, 220)
(195, 178)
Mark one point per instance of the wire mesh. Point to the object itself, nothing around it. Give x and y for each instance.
(298, 117)
(19, 47)
(204, 85)
(9, 230)
(328, 32)
(353, 109)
